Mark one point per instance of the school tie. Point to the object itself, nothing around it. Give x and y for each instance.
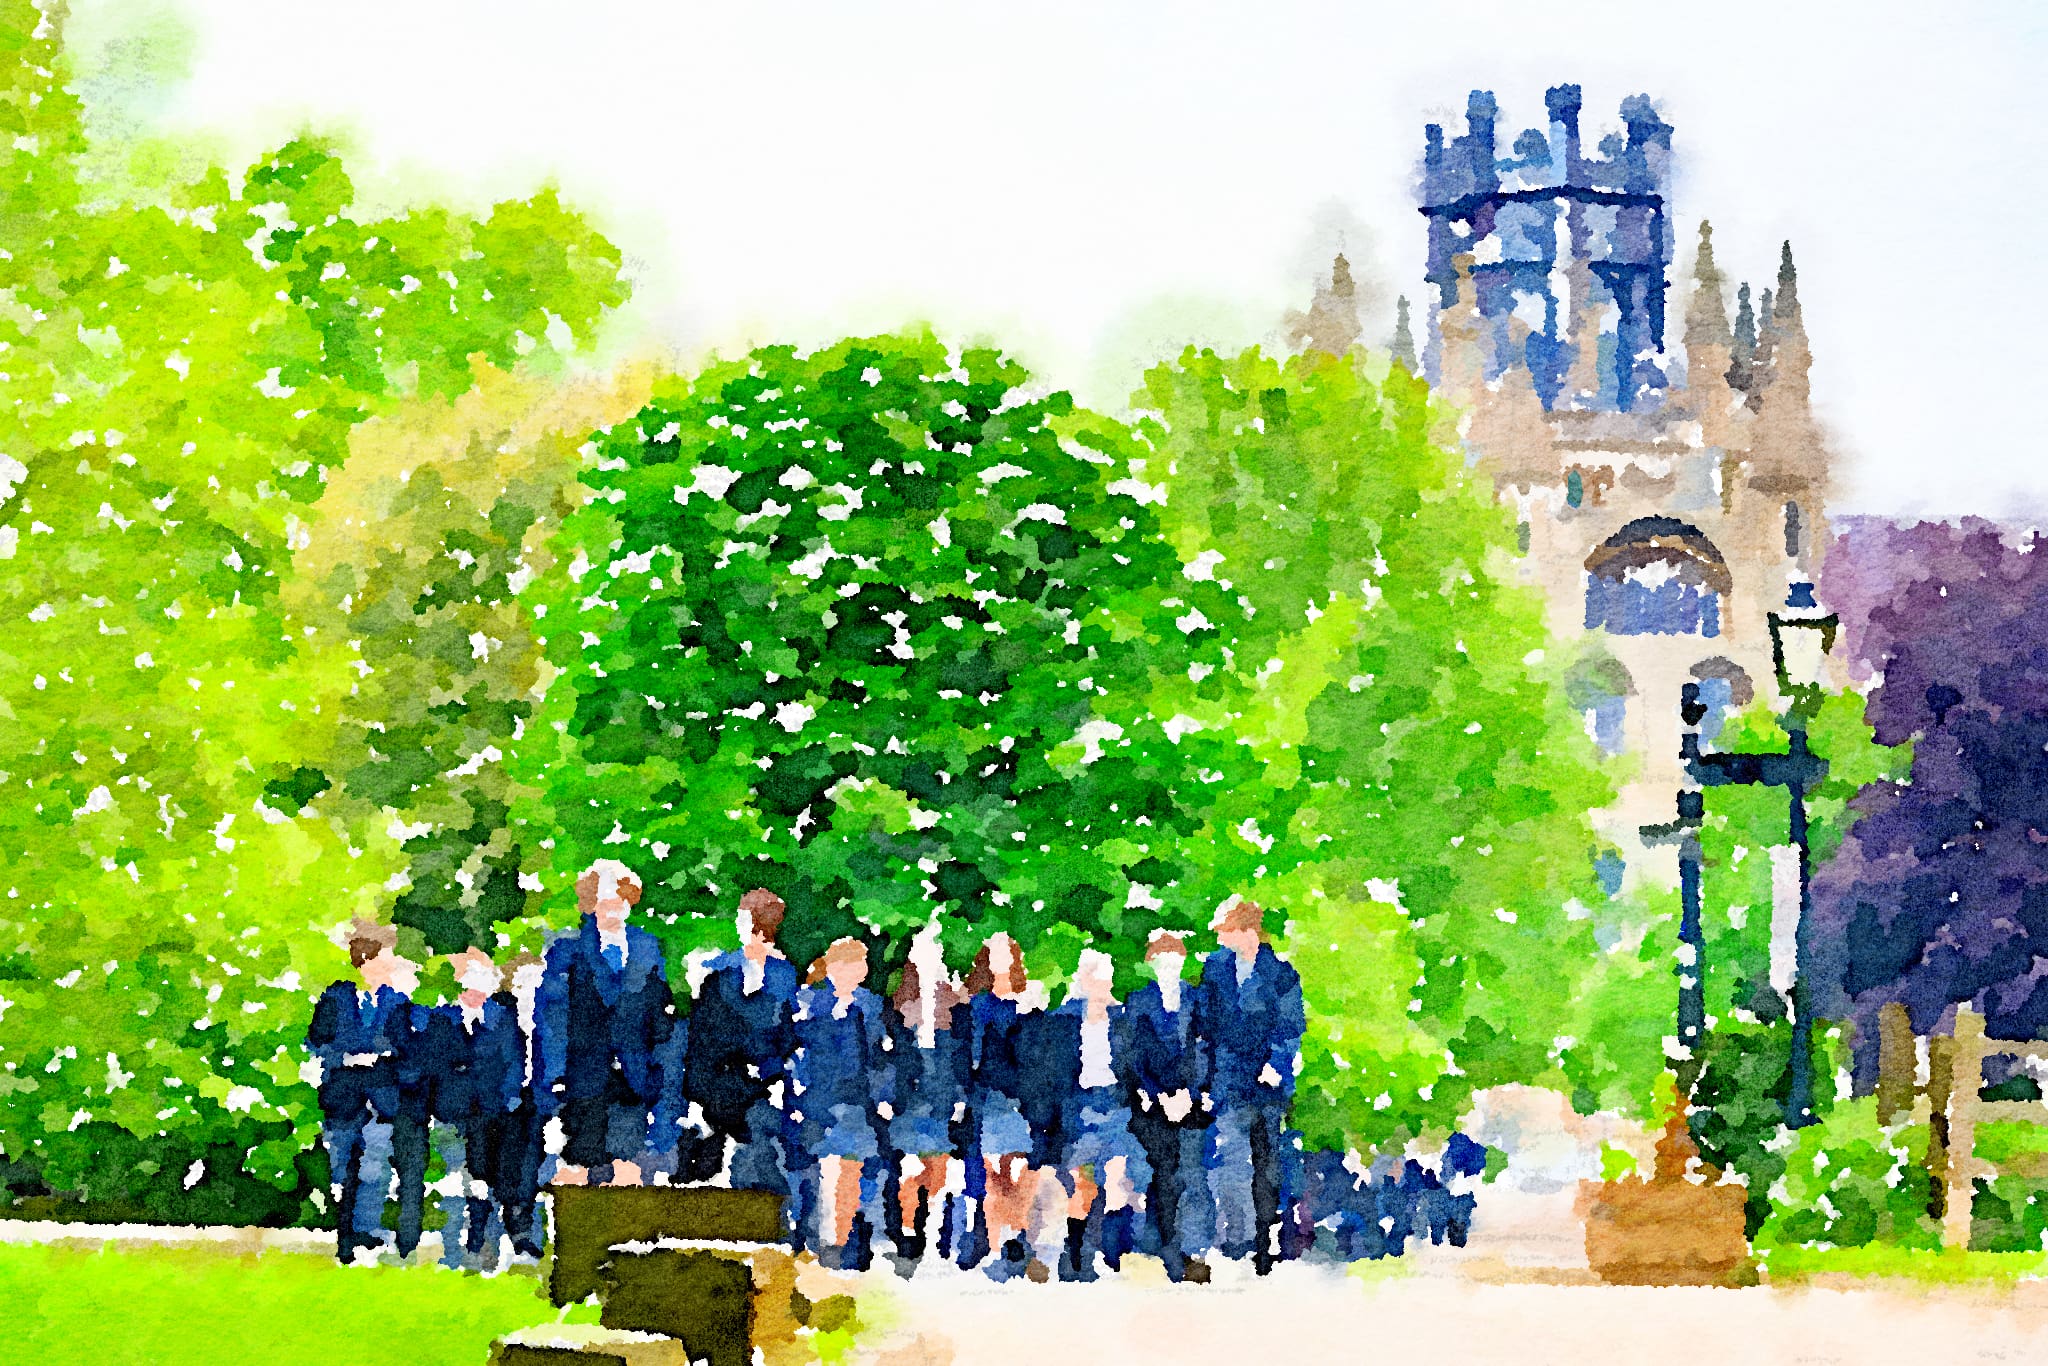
(615, 958)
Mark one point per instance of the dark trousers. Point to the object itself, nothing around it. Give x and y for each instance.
(600, 1131)
(483, 1157)
(409, 1162)
(1266, 1188)
(1246, 1151)
(514, 1174)
(1164, 1143)
(342, 1135)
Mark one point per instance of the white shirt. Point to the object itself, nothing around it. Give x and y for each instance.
(526, 1006)
(752, 974)
(472, 1016)
(1169, 994)
(1244, 967)
(1095, 1066)
(613, 941)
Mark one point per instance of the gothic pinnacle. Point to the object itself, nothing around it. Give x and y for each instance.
(1788, 285)
(1706, 317)
(1404, 340)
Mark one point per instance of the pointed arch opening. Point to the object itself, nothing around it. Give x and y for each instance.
(1656, 576)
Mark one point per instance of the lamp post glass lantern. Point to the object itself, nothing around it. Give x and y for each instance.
(1801, 638)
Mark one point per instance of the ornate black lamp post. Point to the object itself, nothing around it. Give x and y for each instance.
(1801, 636)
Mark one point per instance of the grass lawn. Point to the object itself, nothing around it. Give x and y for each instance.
(186, 1306)
(1949, 1267)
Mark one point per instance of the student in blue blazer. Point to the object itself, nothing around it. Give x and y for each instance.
(362, 1035)
(1103, 1165)
(1001, 1177)
(472, 1057)
(1171, 1106)
(1254, 1019)
(741, 1039)
(605, 1016)
(927, 1060)
(841, 1082)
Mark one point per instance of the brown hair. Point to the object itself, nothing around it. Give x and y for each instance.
(367, 939)
(1239, 913)
(909, 996)
(982, 976)
(765, 910)
(1165, 942)
(586, 890)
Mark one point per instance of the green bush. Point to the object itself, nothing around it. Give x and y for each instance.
(2009, 1214)
(1850, 1182)
(1738, 1115)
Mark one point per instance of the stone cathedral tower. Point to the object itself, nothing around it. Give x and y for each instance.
(1665, 503)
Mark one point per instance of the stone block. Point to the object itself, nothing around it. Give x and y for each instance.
(591, 1220)
(703, 1297)
(582, 1344)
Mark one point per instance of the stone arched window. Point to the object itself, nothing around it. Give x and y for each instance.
(1724, 689)
(1656, 576)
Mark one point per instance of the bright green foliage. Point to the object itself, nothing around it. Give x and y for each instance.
(1359, 963)
(877, 629)
(181, 374)
(2010, 1213)
(1624, 1009)
(1850, 1182)
(1393, 679)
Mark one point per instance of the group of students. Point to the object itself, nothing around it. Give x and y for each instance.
(973, 1121)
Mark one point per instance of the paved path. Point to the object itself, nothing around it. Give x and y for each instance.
(1520, 1294)
(1312, 1316)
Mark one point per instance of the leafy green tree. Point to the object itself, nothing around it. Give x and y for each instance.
(426, 540)
(182, 373)
(1395, 683)
(882, 629)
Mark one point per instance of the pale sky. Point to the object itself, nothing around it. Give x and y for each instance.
(1096, 184)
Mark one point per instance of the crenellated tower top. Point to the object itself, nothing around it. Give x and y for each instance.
(1549, 261)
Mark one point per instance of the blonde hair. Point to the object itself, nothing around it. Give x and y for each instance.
(846, 950)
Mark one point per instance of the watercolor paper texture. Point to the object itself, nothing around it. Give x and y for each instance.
(902, 684)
